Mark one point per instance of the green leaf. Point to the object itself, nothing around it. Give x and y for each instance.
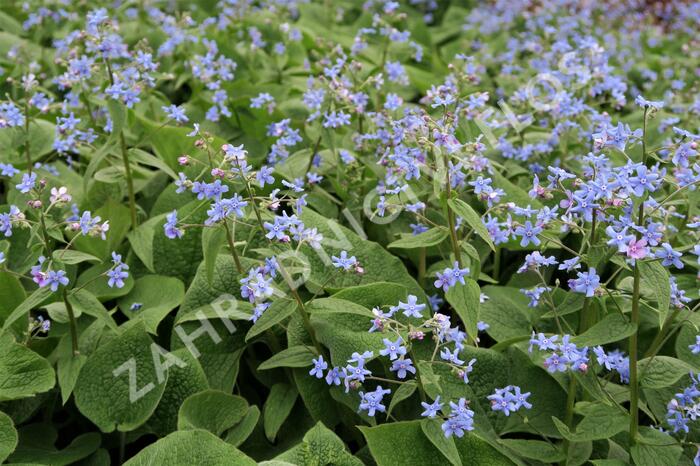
(41, 134)
(144, 158)
(71, 256)
(8, 436)
(117, 114)
(23, 373)
(93, 280)
(655, 448)
(237, 434)
(506, 313)
(294, 356)
(36, 446)
(277, 407)
(374, 294)
(337, 306)
(211, 410)
(33, 301)
(141, 240)
(212, 241)
(158, 295)
(514, 192)
(433, 430)
(432, 237)
(405, 443)
(379, 265)
(661, 371)
(473, 219)
(120, 385)
(11, 25)
(404, 392)
(69, 367)
(600, 421)
(429, 379)
(656, 279)
(465, 300)
(535, 449)
(12, 294)
(614, 327)
(191, 447)
(343, 333)
(182, 382)
(277, 312)
(320, 446)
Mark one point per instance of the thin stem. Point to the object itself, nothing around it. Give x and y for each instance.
(421, 267)
(26, 132)
(125, 159)
(232, 247)
(122, 447)
(450, 214)
(633, 341)
(129, 180)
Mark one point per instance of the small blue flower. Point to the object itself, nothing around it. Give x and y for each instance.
(170, 227)
(393, 349)
(372, 401)
(587, 282)
(431, 409)
(176, 113)
(344, 262)
(401, 366)
(28, 183)
(669, 257)
(319, 366)
(412, 308)
(529, 233)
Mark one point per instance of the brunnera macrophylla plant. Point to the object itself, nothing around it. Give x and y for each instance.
(338, 232)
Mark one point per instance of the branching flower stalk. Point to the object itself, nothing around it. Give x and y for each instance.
(636, 295)
(125, 159)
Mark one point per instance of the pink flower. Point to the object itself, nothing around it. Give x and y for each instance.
(637, 249)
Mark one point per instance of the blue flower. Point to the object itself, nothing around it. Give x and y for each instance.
(118, 273)
(28, 183)
(372, 401)
(695, 348)
(401, 366)
(176, 113)
(587, 282)
(170, 227)
(319, 366)
(264, 176)
(7, 169)
(509, 400)
(333, 376)
(54, 278)
(412, 308)
(344, 262)
(669, 256)
(393, 349)
(529, 233)
(460, 419)
(431, 409)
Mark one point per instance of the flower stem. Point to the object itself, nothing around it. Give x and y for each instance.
(26, 132)
(633, 341)
(450, 213)
(232, 247)
(129, 180)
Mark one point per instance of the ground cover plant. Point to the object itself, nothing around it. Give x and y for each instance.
(344, 233)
